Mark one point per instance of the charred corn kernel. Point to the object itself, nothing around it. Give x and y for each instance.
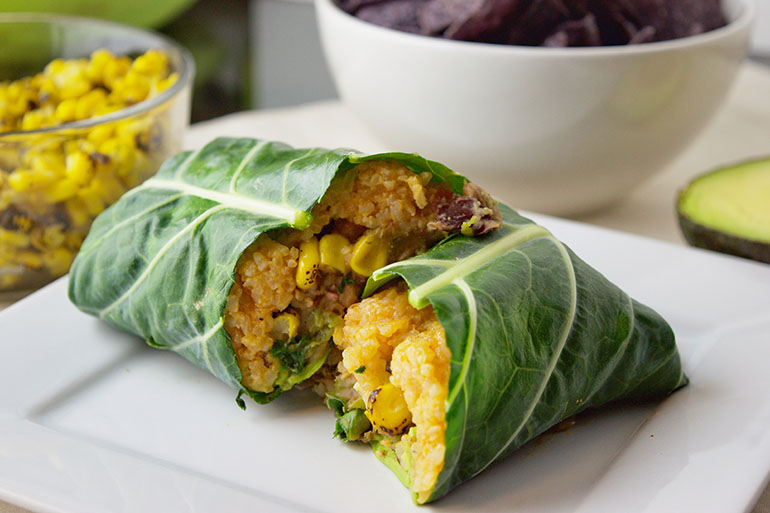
(369, 254)
(13, 238)
(387, 410)
(331, 247)
(307, 267)
(120, 151)
(53, 237)
(30, 259)
(285, 326)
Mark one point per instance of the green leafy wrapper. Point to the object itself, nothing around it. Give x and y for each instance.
(536, 335)
(160, 262)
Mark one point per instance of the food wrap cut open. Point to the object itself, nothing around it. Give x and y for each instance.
(478, 329)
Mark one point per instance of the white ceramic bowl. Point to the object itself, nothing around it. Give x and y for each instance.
(561, 131)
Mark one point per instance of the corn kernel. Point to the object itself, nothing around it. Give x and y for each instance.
(369, 254)
(65, 111)
(88, 103)
(79, 167)
(31, 259)
(14, 238)
(20, 180)
(161, 84)
(153, 62)
(73, 178)
(92, 201)
(285, 326)
(108, 188)
(96, 65)
(121, 152)
(61, 190)
(58, 261)
(387, 410)
(76, 208)
(32, 120)
(53, 237)
(331, 247)
(47, 161)
(307, 267)
(100, 133)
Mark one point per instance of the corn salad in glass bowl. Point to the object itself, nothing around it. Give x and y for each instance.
(88, 110)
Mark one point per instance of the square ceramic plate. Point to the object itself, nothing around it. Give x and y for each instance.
(91, 420)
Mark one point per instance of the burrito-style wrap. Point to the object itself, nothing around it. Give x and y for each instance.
(442, 328)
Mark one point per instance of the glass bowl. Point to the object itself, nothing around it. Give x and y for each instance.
(48, 197)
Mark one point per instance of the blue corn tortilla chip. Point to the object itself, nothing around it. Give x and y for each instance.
(438, 15)
(397, 14)
(545, 22)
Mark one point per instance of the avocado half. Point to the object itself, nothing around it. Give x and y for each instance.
(728, 210)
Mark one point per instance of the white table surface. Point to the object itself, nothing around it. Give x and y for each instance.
(740, 130)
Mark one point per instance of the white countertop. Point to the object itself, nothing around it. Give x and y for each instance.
(740, 130)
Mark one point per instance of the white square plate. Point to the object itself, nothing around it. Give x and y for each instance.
(91, 420)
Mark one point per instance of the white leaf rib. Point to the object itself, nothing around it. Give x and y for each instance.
(566, 329)
(470, 342)
(186, 163)
(285, 192)
(95, 243)
(244, 162)
(519, 235)
(163, 250)
(229, 199)
(202, 338)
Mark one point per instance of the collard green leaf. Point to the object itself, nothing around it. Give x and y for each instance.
(536, 336)
(160, 262)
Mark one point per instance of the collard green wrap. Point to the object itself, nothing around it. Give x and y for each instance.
(536, 335)
(160, 262)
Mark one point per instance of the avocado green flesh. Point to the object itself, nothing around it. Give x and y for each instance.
(734, 200)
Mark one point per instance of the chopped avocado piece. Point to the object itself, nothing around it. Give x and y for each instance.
(351, 422)
(352, 425)
(728, 210)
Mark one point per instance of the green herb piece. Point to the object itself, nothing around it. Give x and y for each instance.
(360, 369)
(292, 353)
(347, 279)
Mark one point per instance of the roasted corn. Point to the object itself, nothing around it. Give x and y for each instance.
(53, 184)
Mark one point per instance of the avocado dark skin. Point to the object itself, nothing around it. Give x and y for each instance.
(736, 196)
(704, 237)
